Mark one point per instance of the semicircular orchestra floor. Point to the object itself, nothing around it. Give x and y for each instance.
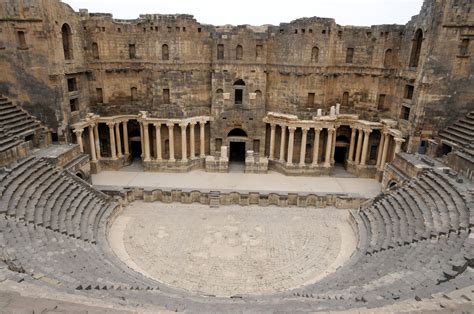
(232, 250)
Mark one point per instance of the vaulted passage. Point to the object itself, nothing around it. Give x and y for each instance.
(237, 152)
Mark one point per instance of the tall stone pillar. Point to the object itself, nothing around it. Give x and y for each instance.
(97, 141)
(192, 140)
(317, 135)
(142, 140)
(79, 139)
(158, 141)
(327, 160)
(184, 144)
(304, 139)
(118, 140)
(92, 143)
(359, 146)
(202, 149)
(352, 144)
(272, 141)
(146, 140)
(113, 148)
(333, 148)
(171, 140)
(125, 138)
(380, 150)
(365, 149)
(282, 143)
(385, 151)
(291, 143)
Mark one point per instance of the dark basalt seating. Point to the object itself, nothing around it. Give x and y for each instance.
(16, 121)
(413, 241)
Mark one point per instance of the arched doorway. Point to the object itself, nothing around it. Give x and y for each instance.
(342, 149)
(237, 140)
(134, 136)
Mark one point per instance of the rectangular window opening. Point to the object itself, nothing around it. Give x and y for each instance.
(71, 84)
(409, 90)
(166, 96)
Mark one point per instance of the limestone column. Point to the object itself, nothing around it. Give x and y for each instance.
(365, 149)
(352, 145)
(113, 149)
(158, 141)
(327, 160)
(272, 141)
(202, 149)
(304, 139)
(171, 140)
(79, 139)
(359, 146)
(146, 141)
(291, 143)
(380, 151)
(192, 140)
(385, 151)
(118, 140)
(184, 143)
(282, 143)
(142, 141)
(398, 146)
(333, 148)
(97, 141)
(125, 138)
(92, 143)
(317, 135)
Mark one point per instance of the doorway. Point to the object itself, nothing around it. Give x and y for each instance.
(237, 152)
(340, 155)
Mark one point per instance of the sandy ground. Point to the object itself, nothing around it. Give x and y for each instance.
(232, 250)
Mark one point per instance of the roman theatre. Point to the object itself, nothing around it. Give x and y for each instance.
(161, 165)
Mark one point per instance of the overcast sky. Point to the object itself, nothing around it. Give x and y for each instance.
(259, 12)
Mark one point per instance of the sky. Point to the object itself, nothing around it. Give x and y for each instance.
(260, 12)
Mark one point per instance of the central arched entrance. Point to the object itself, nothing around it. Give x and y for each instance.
(341, 151)
(237, 140)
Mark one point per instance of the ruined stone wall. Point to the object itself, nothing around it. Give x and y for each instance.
(34, 68)
(170, 66)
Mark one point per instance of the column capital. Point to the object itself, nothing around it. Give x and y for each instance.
(292, 128)
(145, 123)
(170, 124)
(78, 131)
(202, 122)
(305, 129)
(193, 123)
(183, 125)
(272, 125)
(111, 124)
(318, 129)
(157, 125)
(331, 130)
(399, 140)
(368, 131)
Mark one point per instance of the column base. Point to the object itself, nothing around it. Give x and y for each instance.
(175, 166)
(297, 169)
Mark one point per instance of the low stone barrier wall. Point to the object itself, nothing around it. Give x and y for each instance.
(242, 198)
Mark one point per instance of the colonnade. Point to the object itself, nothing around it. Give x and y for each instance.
(118, 137)
(359, 153)
(117, 150)
(183, 125)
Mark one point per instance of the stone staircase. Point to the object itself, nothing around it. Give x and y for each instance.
(461, 133)
(15, 121)
(214, 199)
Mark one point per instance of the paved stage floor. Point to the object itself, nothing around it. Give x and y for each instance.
(133, 176)
(232, 250)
